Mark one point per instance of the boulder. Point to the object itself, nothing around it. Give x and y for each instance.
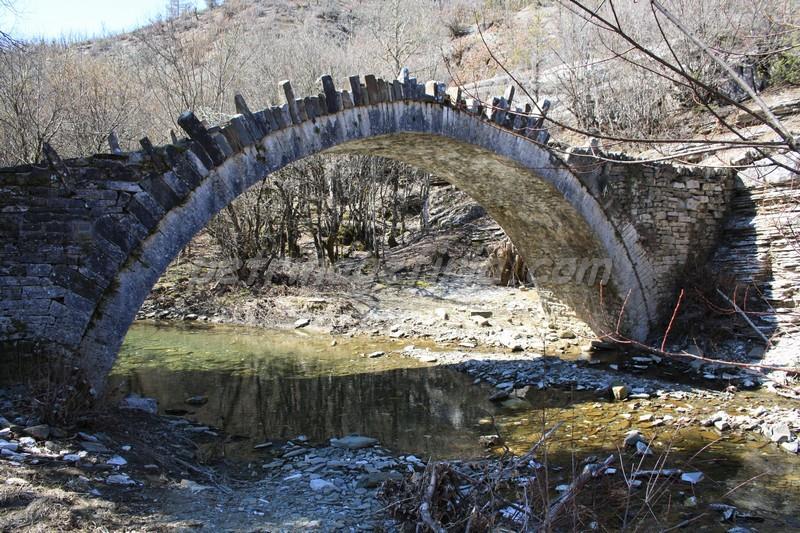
(780, 433)
(41, 432)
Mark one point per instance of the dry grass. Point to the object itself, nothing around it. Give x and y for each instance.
(36, 509)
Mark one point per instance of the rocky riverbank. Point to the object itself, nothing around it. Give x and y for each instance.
(130, 468)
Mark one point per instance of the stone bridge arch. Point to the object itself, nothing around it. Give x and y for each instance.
(88, 238)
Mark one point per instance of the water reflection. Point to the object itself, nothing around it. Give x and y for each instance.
(277, 386)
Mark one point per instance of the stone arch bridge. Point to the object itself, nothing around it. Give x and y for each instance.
(82, 241)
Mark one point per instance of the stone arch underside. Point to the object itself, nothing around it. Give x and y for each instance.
(85, 240)
(545, 210)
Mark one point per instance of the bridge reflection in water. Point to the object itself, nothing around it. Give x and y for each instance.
(265, 385)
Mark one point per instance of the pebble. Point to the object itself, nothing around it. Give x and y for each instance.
(117, 461)
(619, 391)
(490, 440)
(318, 485)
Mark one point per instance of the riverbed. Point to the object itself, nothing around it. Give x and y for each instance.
(276, 386)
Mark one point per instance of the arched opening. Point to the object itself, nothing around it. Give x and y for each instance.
(544, 208)
(266, 384)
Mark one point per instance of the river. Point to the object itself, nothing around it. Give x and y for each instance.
(264, 385)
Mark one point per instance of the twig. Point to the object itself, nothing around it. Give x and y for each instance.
(671, 321)
(574, 487)
(771, 119)
(746, 318)
(425, 507)
(624, 341)
(684, 523)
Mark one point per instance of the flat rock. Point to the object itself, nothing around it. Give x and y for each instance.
(318, 485)
(94, 447)
(117, 461)
(120, 479)
(139, 403)
(196, 400)
(515, 404)
(301, 323)
(692, 477)
(354, 442)
(11, 446)
(499, 396)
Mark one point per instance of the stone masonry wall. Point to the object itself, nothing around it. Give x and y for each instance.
(676, 212)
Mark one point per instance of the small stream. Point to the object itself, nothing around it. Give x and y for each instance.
(266, 385)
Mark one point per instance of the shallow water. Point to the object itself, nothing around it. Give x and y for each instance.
(267, 385)
(277, 385)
